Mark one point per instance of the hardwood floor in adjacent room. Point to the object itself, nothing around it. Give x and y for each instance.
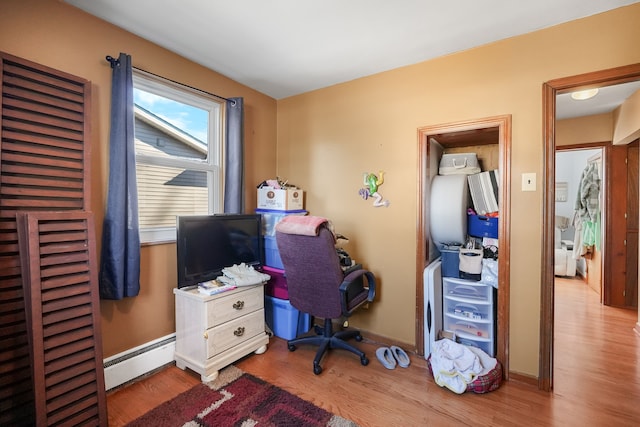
(597, 379)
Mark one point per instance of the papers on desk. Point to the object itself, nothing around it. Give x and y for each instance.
(213, 287)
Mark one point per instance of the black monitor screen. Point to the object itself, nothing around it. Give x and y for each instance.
(207, 244)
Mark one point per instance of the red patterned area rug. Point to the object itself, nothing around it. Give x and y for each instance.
(238, 399)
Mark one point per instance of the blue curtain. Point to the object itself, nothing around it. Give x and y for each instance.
(120, 260)
(234, 161)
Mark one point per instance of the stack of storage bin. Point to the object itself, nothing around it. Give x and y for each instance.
(470, 312)
(284, 320)
(270, 218)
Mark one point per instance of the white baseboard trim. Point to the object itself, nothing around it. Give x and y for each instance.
(135, 362)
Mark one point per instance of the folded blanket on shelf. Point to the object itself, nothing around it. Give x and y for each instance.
(304, 225)
(242, 275)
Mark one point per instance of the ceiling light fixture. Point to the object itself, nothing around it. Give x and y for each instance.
(581, 95)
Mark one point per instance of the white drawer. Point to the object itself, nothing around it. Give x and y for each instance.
(229, 307)
(467, 289)
(467, 327)
(485, 345)
(230, 334)
(462, 308)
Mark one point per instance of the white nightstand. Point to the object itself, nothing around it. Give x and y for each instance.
(215, 331)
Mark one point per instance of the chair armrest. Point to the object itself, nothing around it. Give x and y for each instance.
(351, 285)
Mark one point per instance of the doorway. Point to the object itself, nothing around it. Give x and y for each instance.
(572, 259)
(550, 91)
(494, 131)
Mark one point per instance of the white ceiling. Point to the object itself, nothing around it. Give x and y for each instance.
(287, 47)
(607, 100)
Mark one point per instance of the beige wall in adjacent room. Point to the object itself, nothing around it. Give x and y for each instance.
(329, 137)
(627, 120)
(57, 35)
(585, 130)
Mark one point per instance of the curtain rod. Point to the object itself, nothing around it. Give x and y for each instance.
(114, 61)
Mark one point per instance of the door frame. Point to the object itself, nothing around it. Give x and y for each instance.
(497, 127)
(550, 90)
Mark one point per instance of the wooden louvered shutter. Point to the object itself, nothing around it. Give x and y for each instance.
(44, 163)
(57, 252)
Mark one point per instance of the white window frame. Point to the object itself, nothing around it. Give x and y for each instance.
(213, 165)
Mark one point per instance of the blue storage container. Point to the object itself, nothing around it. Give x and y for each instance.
(285, 320)
(450, 260)
(272, 217)
(271, 253)
(482, 226)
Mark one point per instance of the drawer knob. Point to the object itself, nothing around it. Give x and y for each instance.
(239, 332)
(238, 305)
(206, 335)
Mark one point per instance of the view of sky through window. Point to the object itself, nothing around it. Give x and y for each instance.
(187, 118)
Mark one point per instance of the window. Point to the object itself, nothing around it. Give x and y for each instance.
(178, 155)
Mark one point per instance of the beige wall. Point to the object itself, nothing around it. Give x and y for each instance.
(329, 137)
(627, 118)
(585, 130)
(54, 34)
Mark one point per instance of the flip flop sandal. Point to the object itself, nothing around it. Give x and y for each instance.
(401, 356)
(385, 357)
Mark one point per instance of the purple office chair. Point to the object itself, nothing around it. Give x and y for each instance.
(319, 286)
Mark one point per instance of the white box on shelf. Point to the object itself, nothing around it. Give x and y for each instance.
(280, 199)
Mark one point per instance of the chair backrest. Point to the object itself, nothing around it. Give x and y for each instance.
(312, 269)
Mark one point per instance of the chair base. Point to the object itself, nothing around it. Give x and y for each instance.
(328, 340)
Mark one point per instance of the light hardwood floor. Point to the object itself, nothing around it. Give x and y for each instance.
(597, 379)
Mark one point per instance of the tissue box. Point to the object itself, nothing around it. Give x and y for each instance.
(281, 200)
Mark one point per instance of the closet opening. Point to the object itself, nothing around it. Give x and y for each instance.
(490, 138)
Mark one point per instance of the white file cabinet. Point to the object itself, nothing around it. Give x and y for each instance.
(469, 312)
(215, 331)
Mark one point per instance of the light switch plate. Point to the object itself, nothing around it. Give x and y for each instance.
(528, 182)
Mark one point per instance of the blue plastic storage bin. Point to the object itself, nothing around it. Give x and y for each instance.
(270, 218)
(285, 320)
(450, 261)
(482, 226)
(271, 253)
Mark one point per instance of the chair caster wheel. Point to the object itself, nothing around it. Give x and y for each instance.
(358, 337)
(291, 347)
(364, 361)
(317, 369)
(318, 329)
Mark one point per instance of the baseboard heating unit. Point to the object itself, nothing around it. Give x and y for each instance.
(135, 362)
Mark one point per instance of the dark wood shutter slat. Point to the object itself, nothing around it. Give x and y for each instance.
(58, 320)
(36, 182)
(44, 150)
(51, 172)
(47, 110)
(46, 140)
(44, 93)
(77, 346)
(38, 119)
(44, 160)
(42, 74)
(41, 129)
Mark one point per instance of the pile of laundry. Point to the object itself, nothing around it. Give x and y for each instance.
(242, 275)
(462, 368)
